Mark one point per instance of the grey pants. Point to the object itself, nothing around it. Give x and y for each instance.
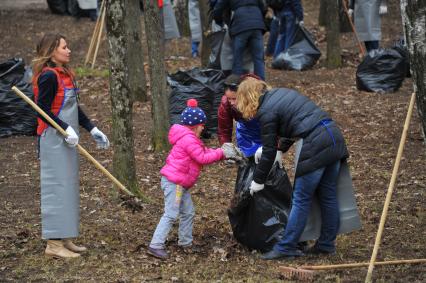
(184, 211)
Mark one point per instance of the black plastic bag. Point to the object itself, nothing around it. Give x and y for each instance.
(58, 6)
(301, 55)
(205, 85)
(401, 47)
(382, 70)
(16, 116)
(215, 41)
(258, 222)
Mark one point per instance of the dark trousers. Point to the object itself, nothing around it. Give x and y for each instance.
(371, 45)
(253, 40)
(287, 30)
(273, 36)
(322, 182)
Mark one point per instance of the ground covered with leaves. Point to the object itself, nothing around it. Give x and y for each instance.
(117, 237)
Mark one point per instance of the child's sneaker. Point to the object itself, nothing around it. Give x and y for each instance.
(158, 253)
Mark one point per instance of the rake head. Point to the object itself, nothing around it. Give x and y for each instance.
(296, 273)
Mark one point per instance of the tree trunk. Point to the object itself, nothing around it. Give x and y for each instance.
(154, 29)
(124, 166)
(334, 59)
(344, 25)
(322, 16)
(181, 12)
(134, 53)
(205, 26)
(414, 17)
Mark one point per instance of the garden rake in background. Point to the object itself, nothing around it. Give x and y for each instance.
(92, 53)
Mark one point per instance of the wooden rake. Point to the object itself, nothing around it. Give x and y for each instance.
(95, 41)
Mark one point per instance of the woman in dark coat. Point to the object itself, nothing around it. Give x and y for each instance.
(284, 114)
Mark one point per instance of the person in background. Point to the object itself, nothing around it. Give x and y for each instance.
(289, 16)
(246, 31)
(182, 169)
(273, 36)
(286, 114)
(55, 92)
(367, 17)
(195, 26)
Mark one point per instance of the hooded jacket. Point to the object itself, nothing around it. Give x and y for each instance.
(187, 157)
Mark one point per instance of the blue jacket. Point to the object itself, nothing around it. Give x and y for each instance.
(248, 14)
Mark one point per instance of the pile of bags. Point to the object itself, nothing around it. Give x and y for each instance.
(383, 70)
(206, 86)
(16, 116)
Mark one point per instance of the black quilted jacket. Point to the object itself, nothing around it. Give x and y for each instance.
(285, 115)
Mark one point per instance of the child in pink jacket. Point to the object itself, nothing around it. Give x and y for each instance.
(183, 166)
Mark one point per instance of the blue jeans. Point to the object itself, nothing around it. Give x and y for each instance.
(194, 47)
(323, 182)
(287, 31)
(185, 211)
(273, 36)
(253, 39)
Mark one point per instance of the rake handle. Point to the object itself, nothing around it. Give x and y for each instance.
(362, 264)
(361, 48)
(389, 193)
(80, 148)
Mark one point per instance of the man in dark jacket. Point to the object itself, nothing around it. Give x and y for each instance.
(284, 113)
(246, 30)
(289, 16)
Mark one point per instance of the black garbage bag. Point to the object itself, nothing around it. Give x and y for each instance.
(402, 48)
(205, 85)
(215, 41)
(58, 6)
(16, 116)
(302, 53)
(258, 222)
(382, 70)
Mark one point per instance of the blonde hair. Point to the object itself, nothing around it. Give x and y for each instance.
(44, 52)
(248, 94)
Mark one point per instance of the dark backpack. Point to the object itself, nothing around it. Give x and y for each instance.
(276, 5)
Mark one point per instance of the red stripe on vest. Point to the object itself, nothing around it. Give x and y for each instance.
(64, 81)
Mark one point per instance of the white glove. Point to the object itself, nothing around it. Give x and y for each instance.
(72, 137)
(100, 138)
(350, 12)
(255, 187)
(278, 157)
(301, 24)
(383, 9)
(258, 155)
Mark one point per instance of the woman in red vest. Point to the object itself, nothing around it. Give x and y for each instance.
(55, 92)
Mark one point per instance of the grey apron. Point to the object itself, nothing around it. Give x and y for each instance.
(170, 25)
(59, 176)
(367, 20)
(194, 20)
(349, 216)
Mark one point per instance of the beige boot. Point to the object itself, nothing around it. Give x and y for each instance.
(55, 248)
(72, 247)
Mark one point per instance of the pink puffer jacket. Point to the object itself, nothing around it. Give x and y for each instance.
(187, 157)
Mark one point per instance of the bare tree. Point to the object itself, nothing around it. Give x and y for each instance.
(124, 166)
(135, 55)
(154, 29)
(334, 59)
(414, 17)
(343, 19)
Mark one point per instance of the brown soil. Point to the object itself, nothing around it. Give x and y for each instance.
(117, 238)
